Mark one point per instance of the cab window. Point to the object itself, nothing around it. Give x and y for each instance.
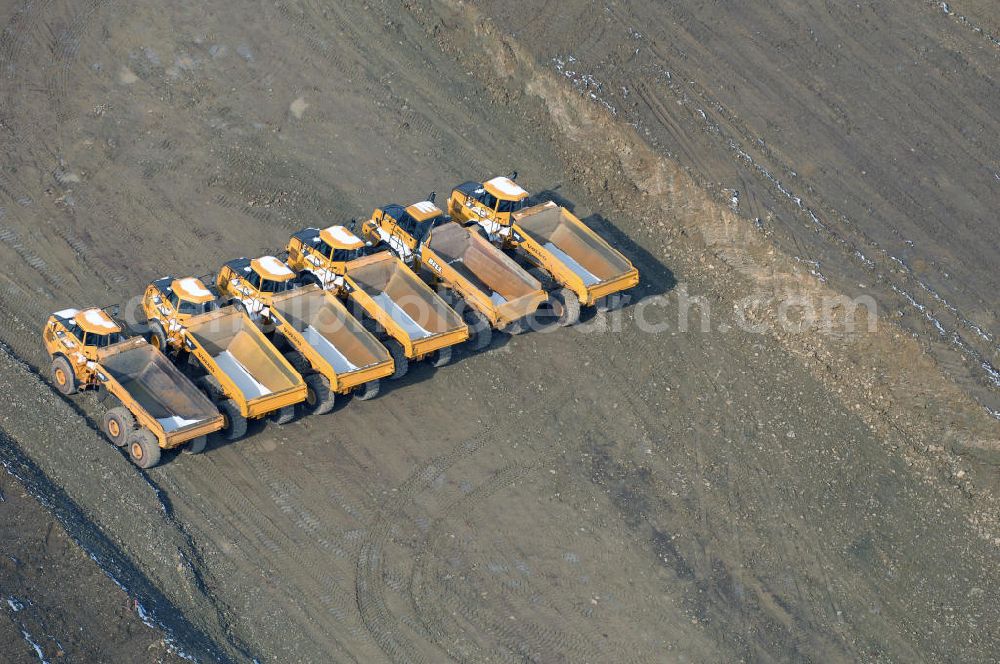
(268, 286)
(488, 199)
(197, 307)
(254, 280)
(511, 206)
(173, 299)
(102, 340)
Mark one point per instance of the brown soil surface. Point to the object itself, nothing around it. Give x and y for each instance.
(599, 493)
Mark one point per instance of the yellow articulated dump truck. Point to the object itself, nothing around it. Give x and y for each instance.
(251, 283)
(154, 405)
(320, 256)
(226, 353)
(497, 292)
(573, 261)
(331, 349)
(416, 324)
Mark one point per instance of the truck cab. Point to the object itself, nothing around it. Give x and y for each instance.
(168, 304)
(489, 204)
(77, 337)
(404, 229)
(319, 255)
(253, 282)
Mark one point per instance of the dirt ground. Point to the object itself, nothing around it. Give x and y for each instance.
(604, 493)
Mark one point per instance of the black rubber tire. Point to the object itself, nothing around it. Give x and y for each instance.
(441, 357)
(399, 358)
(195, 445)
(236, 424)
(611, 302)
(63, 376)
(121, 420)
(320, 399)
(157, 336)
(298, 362)
(210, 386)
(548, 283)
(309, 279)
(480, 330)
(368, 391)
(279, 341)
(446, 294)
(283, 415)
(143, 448)
(565, 306)
(520, 326)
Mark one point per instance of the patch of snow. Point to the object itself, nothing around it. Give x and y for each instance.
(341, 234)
(328, 351)
(38, 648)
(588, 277)
(497, 299)
(98, 318)
(245, 382)
(427, 207)
(14, 604)
(506, 186)
(193, 287)
(412, 328)
(66, 313)
(274, 266)
(174, 422)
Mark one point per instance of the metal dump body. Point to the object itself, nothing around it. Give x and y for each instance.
(405, 306)
(162, 398)
(249, 368)
(336, 345)
(575, 255)
(485, 276)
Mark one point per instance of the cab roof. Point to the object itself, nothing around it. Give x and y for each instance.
(505, 189)
(96, 321)
(271, 268)
(191, 289)
(423, 210)
(338, 237)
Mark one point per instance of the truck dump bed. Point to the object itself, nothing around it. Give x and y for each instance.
(598, 267)
(485, 276)
(241, 357)
(404, 305)
(174, 408)
(322, 329)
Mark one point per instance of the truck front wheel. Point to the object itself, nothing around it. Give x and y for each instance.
(157, 336)
(63, 376)
(143, 448)
(367, 391)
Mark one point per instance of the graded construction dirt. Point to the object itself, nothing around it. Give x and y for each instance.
(609, 492)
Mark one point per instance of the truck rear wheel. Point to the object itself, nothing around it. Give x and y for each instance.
(517, 327)
(118, 424)
(143, 448)
(319, 397)
(480, 330)
(234, 424)
(548, 283)
(63, 376)
(441, 357)
(284, 415)
(611, 302)
(398, 358)
(298, 362)
(157, 336)
(565, 306)
(367, 391)
(196, 445)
